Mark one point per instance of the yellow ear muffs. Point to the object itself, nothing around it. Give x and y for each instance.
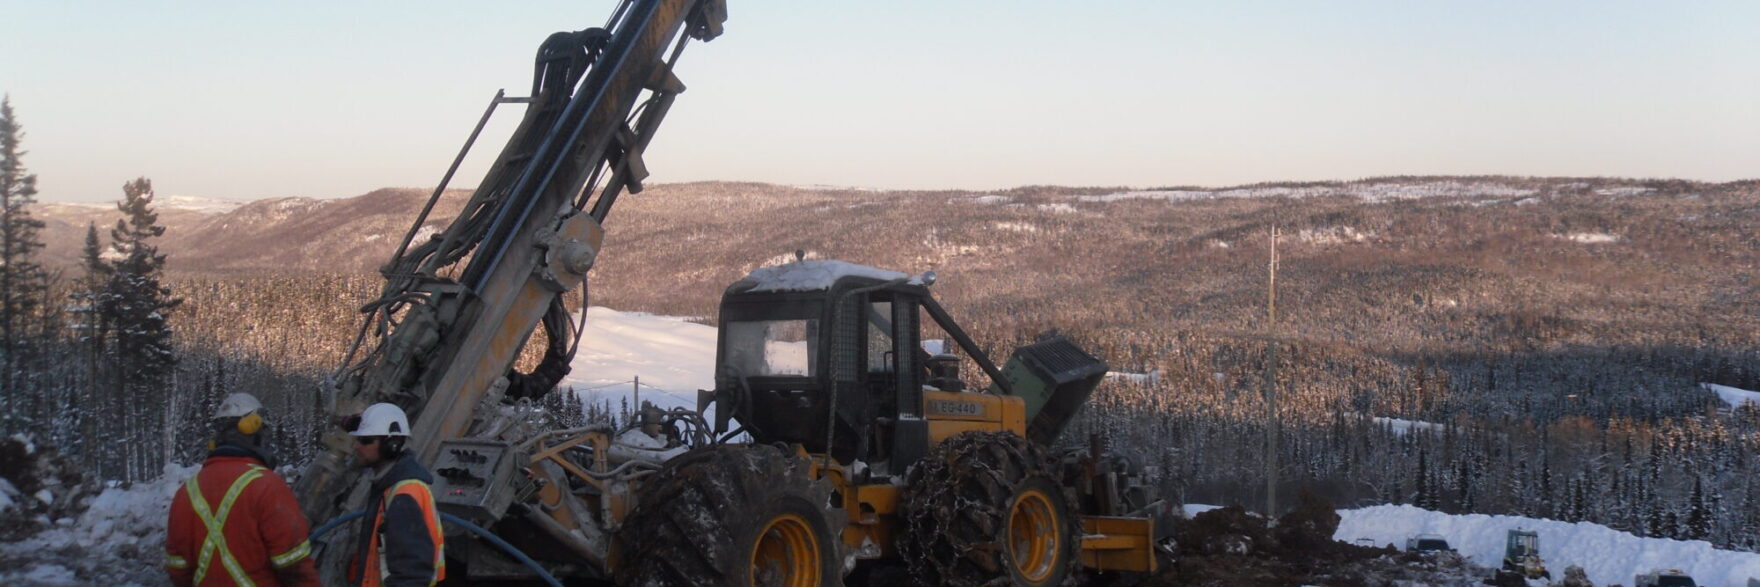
(250, 423)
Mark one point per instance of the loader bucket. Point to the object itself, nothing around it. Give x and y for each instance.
(1055, 377)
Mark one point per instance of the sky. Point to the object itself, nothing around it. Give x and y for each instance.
(247, 100)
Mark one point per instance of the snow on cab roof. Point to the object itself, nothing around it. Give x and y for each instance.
(808, 275)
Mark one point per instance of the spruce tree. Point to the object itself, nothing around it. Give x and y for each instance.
(1546, 504)
(1698, 526)
(1464, 487)
(93, 326)
(136, 305)
(23, 283)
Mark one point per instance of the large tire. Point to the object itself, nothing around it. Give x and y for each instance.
(985, 508)
(733, 515)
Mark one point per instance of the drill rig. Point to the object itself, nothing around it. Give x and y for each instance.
(857, 449)
(457, 309)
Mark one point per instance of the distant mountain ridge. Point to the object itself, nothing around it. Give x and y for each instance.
(268, 235)
(359, 233)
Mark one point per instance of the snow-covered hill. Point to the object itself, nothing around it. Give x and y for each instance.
(673, 357)
(1610, 556)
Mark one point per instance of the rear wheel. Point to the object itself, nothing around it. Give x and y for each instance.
(736, 516)
(985, 506)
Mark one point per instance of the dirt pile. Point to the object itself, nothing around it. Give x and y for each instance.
(1229, 546)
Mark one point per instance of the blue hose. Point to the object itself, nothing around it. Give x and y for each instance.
(462, 523)
(332, 524)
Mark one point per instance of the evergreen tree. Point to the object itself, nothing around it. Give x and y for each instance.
(1464, 486)
(23, 283)
(1423, 479)
(93, 326)
(1698, 526)
(1748, 522)
(136, 305)
(1579, 499)
(1547, 508)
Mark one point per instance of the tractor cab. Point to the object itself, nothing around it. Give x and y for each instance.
(1521, 555)
(829, 355)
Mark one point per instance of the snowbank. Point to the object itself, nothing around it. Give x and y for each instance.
(1734, 396)
(119, 540)
(1609, 556)
(1193, 509)
(1401, 427)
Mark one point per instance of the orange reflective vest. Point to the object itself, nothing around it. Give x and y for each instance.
(235, 523)
(416, 490)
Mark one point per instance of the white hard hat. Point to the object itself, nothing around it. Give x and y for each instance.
(238, 405)
(382, 420)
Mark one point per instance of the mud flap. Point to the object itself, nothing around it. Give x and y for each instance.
(1119, 544)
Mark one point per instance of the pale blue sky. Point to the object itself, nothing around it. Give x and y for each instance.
(248, 100)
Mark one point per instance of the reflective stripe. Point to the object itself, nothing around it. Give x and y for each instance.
(215, 543)
(173, 561)
(292, 556)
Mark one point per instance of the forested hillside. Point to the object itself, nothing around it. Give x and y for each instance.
(1540, 341)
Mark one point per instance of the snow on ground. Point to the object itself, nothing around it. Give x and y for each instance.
(1734, 396)
(119, 540)
(1401, 427)
(200, 204)
(783, 259)
(1333, 235)
(1193, 509)
(1151, 378)
(1590, 238)
(1608, 555)
(1188, 195)
(1374, 192)
(674, 358)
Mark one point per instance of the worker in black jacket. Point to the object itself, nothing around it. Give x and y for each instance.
(401, 544)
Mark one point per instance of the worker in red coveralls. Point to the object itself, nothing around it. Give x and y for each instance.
(402, 544)
(236, 522)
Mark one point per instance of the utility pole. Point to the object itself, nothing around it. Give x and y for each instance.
(636, 404)
(1271, 422)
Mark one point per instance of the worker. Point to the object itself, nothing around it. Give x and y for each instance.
(236, 522)
(400, 544)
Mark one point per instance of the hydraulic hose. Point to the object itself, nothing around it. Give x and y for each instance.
(326, 527)
(462, 523)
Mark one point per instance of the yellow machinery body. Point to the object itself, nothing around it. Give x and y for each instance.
(1108, 544)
